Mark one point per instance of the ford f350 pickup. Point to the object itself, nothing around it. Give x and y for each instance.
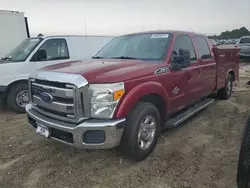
(136, 86)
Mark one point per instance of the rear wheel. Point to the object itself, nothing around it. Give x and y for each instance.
(18, 97)
(226, 92)
(141, 132)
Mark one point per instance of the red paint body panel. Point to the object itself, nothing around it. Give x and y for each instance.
(107, 70)
(200, 79)
(227, 60)
(138, 91)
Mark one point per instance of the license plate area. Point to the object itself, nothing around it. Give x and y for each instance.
(42, 130)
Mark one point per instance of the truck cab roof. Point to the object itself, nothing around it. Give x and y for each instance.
(167, 31)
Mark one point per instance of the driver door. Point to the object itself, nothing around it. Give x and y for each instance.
(53, 51)
(191, 87)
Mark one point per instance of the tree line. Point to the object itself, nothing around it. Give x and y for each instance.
(234, 34)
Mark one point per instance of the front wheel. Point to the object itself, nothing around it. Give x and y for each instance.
(226, 92)
(141, 132)
(18, 97)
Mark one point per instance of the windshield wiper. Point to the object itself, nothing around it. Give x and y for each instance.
(97, 57)
(6, 58)
(122, 57)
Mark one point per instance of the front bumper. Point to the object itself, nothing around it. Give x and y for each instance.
(73, 134)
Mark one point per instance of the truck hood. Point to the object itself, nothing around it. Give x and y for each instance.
(107, 70)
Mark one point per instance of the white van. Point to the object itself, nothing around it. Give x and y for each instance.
(35, 53)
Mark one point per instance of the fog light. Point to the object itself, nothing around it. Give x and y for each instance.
(94, 137)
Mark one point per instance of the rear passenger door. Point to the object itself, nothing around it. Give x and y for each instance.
(207, 65)
(191, 73)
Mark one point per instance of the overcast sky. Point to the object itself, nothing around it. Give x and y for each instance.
(114, 17)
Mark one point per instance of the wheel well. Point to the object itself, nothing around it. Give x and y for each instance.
(232, 73)
(157, 101)
(14, 83)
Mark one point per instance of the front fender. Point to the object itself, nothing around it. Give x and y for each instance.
(12, 72)
(139, 91)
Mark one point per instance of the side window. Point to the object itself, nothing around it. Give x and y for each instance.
(203, 47)
(184, 42)
(244, 40)
(52, 49)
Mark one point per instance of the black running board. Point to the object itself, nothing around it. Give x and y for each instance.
(181, 117)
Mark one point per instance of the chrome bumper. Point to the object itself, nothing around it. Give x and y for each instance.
(113, 129)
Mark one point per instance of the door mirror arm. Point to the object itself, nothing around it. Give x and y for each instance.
(176, 63)
(181, 61)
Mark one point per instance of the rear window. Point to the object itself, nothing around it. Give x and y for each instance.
(212, 42)
(245, 40)
(203, 47)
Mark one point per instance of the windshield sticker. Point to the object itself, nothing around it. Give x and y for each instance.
(161, 36)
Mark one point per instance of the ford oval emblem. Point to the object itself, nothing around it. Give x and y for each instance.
(46, 97)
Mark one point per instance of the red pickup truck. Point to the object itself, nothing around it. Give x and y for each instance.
(136, 86)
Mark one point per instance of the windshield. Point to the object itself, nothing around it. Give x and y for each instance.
(245, 40)
(23, 50)
(138, 46)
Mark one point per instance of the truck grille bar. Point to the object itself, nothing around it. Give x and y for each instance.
(67, 102)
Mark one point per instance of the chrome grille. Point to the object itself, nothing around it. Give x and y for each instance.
(69, 92)
(63, 106)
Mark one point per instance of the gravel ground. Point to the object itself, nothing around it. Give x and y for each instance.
(202, 152)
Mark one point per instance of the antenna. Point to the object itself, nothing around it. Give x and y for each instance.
(86, 38)
(85, 25)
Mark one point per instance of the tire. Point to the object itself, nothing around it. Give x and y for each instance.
(12, 95)
(131, 144)
(243, 172)
(226, 92)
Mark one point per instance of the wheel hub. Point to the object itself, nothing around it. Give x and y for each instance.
(22, 98)
(146, 132)
(229, 87)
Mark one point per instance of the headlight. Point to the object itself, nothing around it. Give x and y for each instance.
(104, 99)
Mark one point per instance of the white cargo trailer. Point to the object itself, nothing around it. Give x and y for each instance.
(13, 30)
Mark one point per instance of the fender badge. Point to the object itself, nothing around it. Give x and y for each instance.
(161, 70)
(176, 90)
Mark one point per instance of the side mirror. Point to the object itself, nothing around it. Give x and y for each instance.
(40, 55)
(186, 58)
(180, 61)
(176, 62)
(176, 59)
